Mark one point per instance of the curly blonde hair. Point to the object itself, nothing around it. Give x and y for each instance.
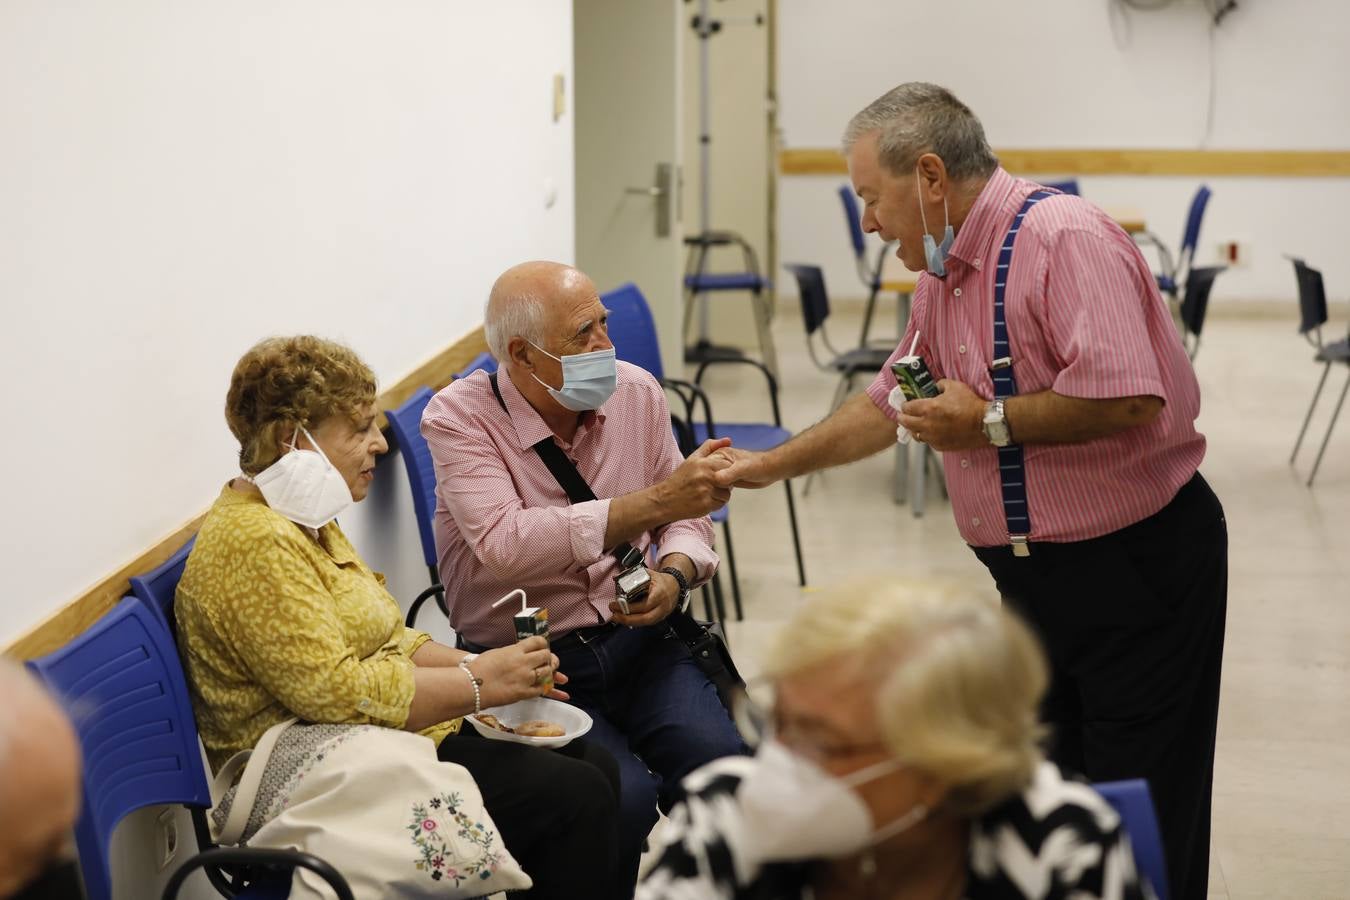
(285, 382)
(958, 680)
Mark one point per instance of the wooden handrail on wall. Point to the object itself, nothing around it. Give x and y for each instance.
(87, 608)
(1199, 163)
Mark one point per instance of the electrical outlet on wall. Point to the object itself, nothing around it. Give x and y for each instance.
(166, 838)
(1234, 254)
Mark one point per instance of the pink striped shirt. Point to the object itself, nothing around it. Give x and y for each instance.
(1085, 319)
(503, 522)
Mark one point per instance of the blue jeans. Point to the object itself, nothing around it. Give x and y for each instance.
(654, 711)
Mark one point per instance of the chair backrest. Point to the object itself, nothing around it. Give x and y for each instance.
(1199, 282)
(853, 219)
(156, 588)
(1312, 297)
(811, 290)
(485, 361)
(1067, 186)
(405, 424)
(632, 328)
(1132, 801)
(1191, 236)
(125, 691)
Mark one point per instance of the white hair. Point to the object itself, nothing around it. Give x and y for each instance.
(957, 680)
(917, 118)
(512, 316)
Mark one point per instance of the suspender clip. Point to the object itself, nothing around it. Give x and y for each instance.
(1003, 362)
(1019, 545)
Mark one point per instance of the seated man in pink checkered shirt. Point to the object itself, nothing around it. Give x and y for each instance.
(1066, 421)
(503, 521)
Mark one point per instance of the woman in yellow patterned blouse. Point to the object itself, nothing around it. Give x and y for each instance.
(279, 619)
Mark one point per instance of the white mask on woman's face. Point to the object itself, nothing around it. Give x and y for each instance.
(304, 486)
(795, 810)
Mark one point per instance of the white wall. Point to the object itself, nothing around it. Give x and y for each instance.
(1068, 73)
(182, 177)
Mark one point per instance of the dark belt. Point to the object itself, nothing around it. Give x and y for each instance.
(573, 638)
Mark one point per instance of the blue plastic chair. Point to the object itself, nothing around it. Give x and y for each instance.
(868, 273)
(128, 701)
(1194, 305)
(156, 588)
(633, 331)
(1131, 799)
(1170, 278)
(405, 425)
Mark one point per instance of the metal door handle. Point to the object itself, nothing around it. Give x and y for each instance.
(661, 193)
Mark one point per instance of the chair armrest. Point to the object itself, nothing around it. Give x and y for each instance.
(263, 857)
(768, 376)
(437, 591)
(695, 393)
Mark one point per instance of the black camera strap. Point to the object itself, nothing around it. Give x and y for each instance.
(702, 644)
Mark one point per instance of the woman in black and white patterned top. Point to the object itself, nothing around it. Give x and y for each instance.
(901, 760)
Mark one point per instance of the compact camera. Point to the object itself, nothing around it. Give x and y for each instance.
(632, 583)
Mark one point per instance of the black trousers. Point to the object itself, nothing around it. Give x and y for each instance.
(1133, 623)
(557, 811)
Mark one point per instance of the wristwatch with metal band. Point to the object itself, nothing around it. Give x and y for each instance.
(996, 425)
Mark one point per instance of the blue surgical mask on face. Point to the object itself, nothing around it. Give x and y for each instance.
(589, 379)
(935, 253)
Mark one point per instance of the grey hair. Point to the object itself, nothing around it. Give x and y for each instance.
(917, 118)
(507, 317)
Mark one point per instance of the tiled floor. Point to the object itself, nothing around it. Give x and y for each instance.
(1282, 792)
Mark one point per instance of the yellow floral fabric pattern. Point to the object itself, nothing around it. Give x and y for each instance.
(274, 623)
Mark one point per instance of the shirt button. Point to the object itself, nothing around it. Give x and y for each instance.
(978, 262)
(956, 292)
(975, 521)
(962, 348)
(965, 464)
(364, 704)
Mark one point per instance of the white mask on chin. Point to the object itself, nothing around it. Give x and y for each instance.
(304, 486)
(794, 810)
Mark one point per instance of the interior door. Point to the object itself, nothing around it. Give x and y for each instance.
(627, 64)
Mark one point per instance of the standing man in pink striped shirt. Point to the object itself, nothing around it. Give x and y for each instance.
(1066, 423)
(504, 521)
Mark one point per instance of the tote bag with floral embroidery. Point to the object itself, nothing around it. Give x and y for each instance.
(374, 802)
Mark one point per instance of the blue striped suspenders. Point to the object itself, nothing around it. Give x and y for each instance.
(1011, 469)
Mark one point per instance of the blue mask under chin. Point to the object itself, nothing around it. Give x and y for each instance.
(935, 254)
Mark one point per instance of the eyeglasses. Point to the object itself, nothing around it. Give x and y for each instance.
(759, 721)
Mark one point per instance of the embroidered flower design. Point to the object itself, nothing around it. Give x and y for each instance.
(437, 856)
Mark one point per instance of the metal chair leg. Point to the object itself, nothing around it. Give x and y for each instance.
(719, 601)
(796, 538)
(1326, 370)
(1330, 428)
(731, 570)
(763, 316)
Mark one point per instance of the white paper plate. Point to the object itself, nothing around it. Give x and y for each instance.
(574, 722)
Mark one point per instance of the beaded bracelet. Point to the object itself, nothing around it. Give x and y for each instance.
(475, 682)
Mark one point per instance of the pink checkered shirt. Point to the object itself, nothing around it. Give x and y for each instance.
(503, 522)
(1085, 319)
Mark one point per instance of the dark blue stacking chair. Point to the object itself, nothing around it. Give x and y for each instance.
(1175, 270)
(869, 273)
(699, 283)
(124, 688)
(1194, 304)
(1133, 802)
(156, 588)
(1312, 303)
(633, 331)
(405, 424)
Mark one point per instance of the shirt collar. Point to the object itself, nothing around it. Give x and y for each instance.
(530, 427)
(974, 242)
